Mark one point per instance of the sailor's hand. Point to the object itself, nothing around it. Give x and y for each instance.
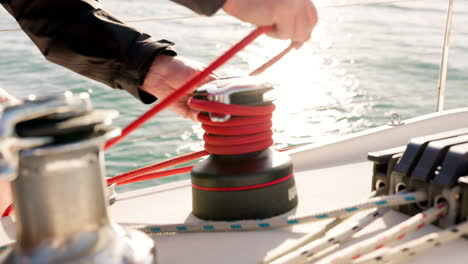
(293, 19)
(168, 73)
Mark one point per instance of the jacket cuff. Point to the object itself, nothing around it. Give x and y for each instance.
(134, 69)
(202, 7)
(208, 9)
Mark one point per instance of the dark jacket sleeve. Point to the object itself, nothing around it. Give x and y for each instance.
(82, 37)
(203, 7)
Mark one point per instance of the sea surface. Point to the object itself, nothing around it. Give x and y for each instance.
(363, 63)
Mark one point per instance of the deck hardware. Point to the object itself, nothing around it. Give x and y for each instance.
(444, 61)
(395, 120)
(434, 164)
(243, 178)
(234, 90)
(57, 179)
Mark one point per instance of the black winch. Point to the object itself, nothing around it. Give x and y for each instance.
(253, 185)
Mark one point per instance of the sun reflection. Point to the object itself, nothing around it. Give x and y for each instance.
(307, 79)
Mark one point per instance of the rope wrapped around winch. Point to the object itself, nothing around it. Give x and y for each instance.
(249, 129)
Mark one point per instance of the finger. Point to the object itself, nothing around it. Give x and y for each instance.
(307, 21)
(274, 33)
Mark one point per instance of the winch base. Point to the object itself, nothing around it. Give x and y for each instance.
(248, 186)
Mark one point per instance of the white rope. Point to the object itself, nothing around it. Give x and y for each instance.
(407, 250)
(304, 240)
(308, 238)
(285, 221)
(310, 251)
(392, 235)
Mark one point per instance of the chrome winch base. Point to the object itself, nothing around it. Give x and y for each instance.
(59, 187)
(109, 244)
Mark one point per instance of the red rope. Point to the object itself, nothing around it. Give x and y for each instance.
(158, 166)
(242, 188)
(272, 61)
(8, 210)
(156, 175)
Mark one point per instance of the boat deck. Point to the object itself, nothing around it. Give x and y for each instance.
(318, 190)
(324, 181)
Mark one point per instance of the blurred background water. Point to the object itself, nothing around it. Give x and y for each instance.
(363, 63)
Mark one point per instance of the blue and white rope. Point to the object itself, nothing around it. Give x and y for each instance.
(312, 250)
(407, 250)
(285, 221)
(4, 247)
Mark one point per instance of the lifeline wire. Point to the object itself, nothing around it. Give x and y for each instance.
(390, 236)
(225, 15)
(284, 221)
(407, 250)
(310, 251)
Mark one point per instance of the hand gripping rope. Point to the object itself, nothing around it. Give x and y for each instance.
(188, 86)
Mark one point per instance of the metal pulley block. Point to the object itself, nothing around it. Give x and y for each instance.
(235, 90)
(52, 152)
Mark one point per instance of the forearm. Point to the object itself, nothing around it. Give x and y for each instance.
(82, 37)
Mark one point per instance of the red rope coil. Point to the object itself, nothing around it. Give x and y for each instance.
(248, 130)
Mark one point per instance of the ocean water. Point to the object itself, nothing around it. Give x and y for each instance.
(362, 64)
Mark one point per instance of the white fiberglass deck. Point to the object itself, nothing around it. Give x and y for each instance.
(318, 190)
(327, 176)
